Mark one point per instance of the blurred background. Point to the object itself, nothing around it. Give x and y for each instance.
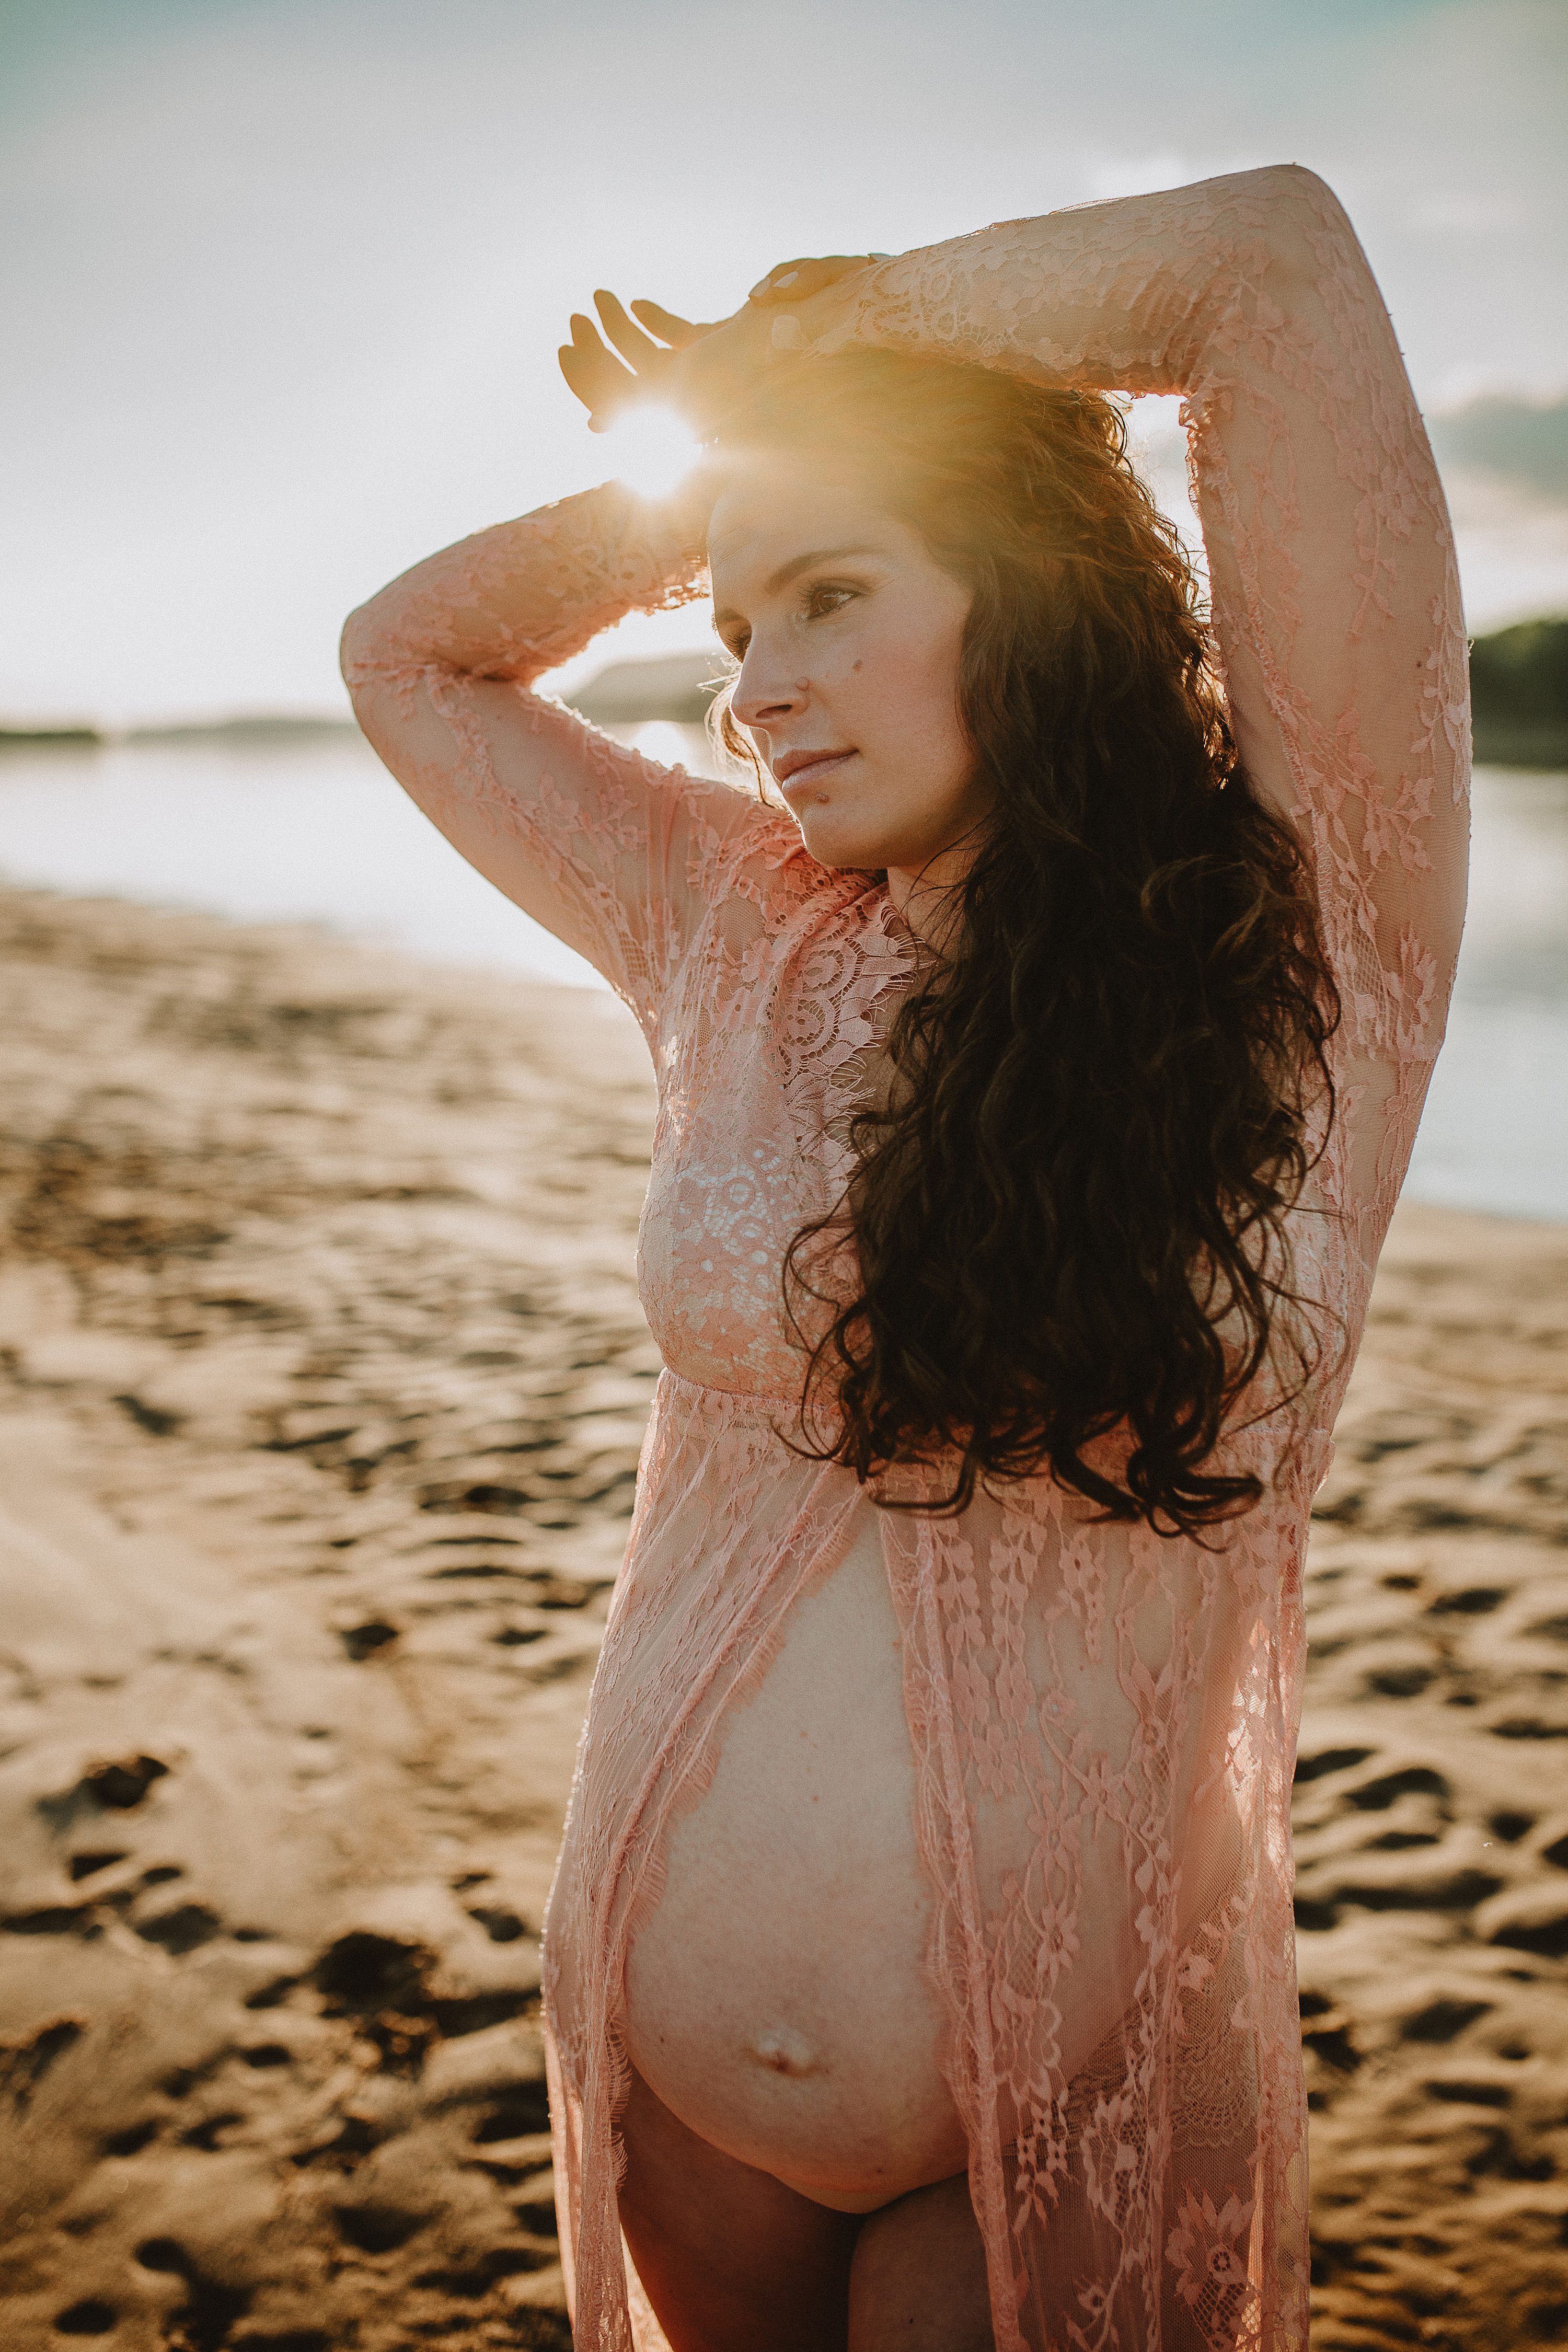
(283, 282)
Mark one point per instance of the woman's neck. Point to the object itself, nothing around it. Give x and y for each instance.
(929, 899)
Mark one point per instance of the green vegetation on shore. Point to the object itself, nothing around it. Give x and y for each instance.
(51, 738)
(1518, 692)
(252, 731)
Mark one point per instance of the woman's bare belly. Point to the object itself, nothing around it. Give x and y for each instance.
(776, 1997)
(778, 2000)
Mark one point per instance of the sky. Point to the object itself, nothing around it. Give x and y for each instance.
(283, 280)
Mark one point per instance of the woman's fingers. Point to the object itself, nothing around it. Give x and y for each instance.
(595, 376)
(648, 338)
(715, 371)
(576, 370)
(783, 279)
(668, 326)
(648, 349)
(586, 364)
(793, 281)
(639, 350)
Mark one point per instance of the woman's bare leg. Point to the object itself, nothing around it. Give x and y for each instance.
(917, 2280)
(730, 2259)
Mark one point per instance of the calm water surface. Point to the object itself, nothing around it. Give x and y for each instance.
(315, 830)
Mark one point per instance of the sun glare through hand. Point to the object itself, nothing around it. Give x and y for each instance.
(651, 449)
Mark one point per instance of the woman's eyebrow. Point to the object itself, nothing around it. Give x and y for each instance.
(791, 571)
(799, 563)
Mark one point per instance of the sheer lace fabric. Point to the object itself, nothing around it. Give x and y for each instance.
(1104, 1723)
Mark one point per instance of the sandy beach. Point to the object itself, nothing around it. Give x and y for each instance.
(322, 1383)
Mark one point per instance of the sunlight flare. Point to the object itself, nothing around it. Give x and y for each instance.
(651, 450)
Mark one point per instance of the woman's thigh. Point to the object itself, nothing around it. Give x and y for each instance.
(732, 2261)
(917, 2282)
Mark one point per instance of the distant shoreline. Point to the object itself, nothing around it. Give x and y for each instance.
(259, 729)
(1518, 690)
(1536, 750)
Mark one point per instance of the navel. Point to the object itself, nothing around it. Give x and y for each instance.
(782, 2050)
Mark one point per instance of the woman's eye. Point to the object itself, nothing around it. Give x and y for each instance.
(824, 598)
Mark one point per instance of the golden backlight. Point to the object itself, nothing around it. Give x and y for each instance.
(650, 450)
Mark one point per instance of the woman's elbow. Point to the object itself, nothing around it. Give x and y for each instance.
(1292, 189)
(1306, 231)
(358, 646)
(1300, 203)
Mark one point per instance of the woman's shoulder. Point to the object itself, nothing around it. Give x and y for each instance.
(777, 926)
(739, 845)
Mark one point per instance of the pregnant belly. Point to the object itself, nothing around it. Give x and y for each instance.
(777, 1997)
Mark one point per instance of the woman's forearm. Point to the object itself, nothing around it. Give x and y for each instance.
(586, 837)
(515, 601)
(1145, 294)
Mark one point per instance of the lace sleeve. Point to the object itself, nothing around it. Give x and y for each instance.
(1335, 596)
(608, 850)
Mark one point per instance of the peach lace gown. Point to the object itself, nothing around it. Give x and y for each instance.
(1100, 1724)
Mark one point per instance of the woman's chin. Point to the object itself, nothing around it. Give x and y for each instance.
(840, 846)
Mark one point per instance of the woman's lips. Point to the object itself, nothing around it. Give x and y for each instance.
(801, 775)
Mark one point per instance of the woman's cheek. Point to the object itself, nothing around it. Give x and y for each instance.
(891, 681)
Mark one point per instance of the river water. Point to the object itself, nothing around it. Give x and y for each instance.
(313, 830)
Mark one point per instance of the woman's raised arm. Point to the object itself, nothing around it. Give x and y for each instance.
(1335, 596)
(585, 836)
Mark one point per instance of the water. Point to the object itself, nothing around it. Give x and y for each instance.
(309, 831)
(1494, 1134)
(314, 830)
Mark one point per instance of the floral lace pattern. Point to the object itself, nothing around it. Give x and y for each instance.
(1104, 1723)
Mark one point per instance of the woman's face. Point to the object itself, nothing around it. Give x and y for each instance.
(849, 635)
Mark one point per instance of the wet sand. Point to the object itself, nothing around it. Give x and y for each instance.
(321, 1382)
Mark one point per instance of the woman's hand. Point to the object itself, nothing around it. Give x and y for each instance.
(604, 385)
(791, 282)
(701, 370)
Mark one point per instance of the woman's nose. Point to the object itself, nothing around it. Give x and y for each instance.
(765, 693)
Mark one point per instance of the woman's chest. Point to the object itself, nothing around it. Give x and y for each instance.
(759, 1086)
(732, 1181)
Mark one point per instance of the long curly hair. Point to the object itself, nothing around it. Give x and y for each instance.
(1066, 1224)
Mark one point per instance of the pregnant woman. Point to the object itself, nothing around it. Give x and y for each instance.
(1038, 1056)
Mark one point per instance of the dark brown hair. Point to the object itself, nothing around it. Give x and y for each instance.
(1068, 1212)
